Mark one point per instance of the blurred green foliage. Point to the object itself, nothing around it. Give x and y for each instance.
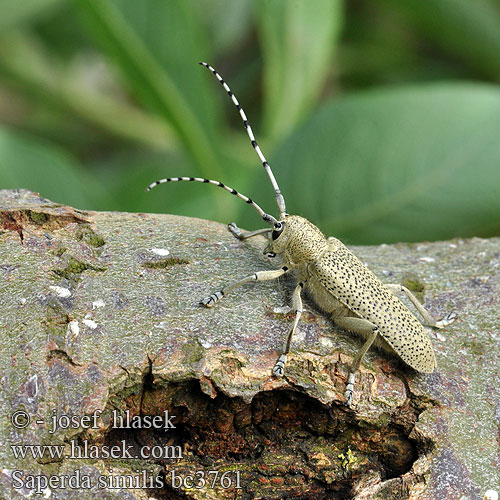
(381, 120)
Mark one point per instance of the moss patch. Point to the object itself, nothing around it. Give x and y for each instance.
(164, 263)
(414, 285)
(56, 323)
(74, 268)
(475, 347)
(87, 235)
(58, 252)
(38, 218)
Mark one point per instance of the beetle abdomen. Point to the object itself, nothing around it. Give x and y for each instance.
(344, 276)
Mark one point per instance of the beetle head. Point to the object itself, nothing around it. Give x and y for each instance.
(296, 238)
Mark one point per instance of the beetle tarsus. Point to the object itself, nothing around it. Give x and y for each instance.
(446, 320)
(349, 388)
(234, 230)
(279, 367)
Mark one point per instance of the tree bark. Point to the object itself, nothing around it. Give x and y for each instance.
(100, 314)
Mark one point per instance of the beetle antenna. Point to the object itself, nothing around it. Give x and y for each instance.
(268, 218)
(279, 197)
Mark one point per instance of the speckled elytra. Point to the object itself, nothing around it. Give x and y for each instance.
(334, 278)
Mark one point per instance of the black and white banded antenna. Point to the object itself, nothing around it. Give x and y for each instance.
(268, 218)
(279, 197)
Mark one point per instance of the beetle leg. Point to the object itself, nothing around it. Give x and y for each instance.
(279, 367)
(369, 332)
(236, 232)
(429, 320)
(258, 276)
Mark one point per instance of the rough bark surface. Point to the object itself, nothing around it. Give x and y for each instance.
(99, 311)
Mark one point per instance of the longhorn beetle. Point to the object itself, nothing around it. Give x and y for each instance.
(334, 278)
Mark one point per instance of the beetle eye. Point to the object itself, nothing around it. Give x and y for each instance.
(278, 229)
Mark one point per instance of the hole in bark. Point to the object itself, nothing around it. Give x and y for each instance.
(281, 445)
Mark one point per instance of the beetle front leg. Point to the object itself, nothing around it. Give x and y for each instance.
(428, 318)
(279, 367)
(258, 276)
(237, 233)
(369, 332)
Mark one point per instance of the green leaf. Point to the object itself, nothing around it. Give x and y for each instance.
(468, 30)
(44, 78)
(15, 13)
(406, 164)
(26, 162)
(297, 43)
(127, 176)
(228, 23)
(156, 45)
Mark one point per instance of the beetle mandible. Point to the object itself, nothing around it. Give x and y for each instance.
(335, 279)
